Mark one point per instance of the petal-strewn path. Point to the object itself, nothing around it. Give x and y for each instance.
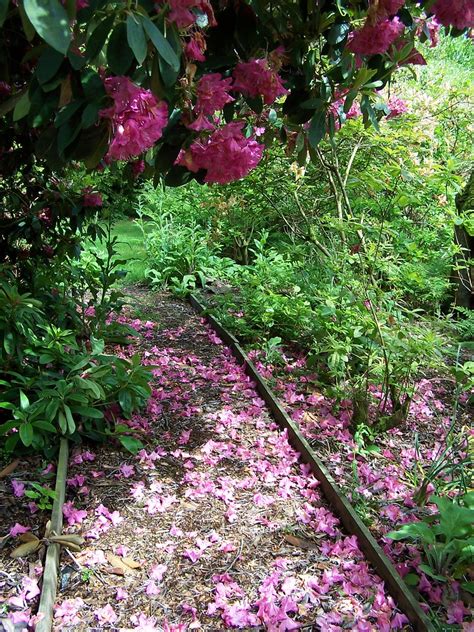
(227, 525)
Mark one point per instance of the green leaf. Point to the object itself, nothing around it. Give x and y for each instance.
(98, 345)
(469, 586)
(125, 401)
(7, 405)
(96, 41)
(455, 520)
(88, 411)
(411, 579)
(24, 401)
(415, 531)
(136, 38)
(119, 53)
(50, 21)
(90, 115)
(65, 113)
(22, 107)
(317, 128)
(160, 43)
(131, 444)
(44, 425)
(11, 442)
(62, 422)
(3, 10)
(26, 434)
(431, 573)
(48, 65)
(71, 425)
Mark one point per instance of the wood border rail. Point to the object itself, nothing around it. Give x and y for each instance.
(395, 585)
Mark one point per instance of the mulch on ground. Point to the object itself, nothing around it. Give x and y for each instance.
(215, 524)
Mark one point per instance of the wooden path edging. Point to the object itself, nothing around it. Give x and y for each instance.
(395, 585)
(51, 565)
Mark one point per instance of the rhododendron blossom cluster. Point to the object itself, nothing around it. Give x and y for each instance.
(374, 39)
(457, 13)
(184, 13)
(212, 92)
(256, 78)
(397, 107)
(226, 154)
(137, 118)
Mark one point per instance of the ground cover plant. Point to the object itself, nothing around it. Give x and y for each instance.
(339, 250)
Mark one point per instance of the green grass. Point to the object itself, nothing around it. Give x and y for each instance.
(130, 247)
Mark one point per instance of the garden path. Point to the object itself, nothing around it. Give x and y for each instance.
(225, 527)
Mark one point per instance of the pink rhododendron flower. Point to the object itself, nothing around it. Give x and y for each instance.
(143, 623)
(126, 470)
(121, 594)
(18, 488)
(226, 155)
(17, 529)
(185, 12)
(157, 572)
(458, 13)
(397, 107)
(30, 588)
(212, 92)
(388, 8)
(194, 49)
(105, 615)
(5, 89)
(67, 611)
(73, 515)
(152, 588)
(46, 216)
(137, 118)
(91, 198)
(373, 39)
(456, 612)
(138, 167)
(193, 554)
(256, 78)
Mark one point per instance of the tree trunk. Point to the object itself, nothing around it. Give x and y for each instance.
(463, 272)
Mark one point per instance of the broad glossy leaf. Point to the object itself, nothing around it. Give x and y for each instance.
(96, 41)
(136, 37)
(131, 444)
(48, 65)
(161, 44)
(26, 434)
(119, 53)
(24, 401)
(50, 21)
(317, 128)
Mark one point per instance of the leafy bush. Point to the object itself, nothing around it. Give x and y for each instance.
(57, 386)
(446, 537)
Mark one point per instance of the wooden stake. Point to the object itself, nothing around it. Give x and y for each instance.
(50, 573)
